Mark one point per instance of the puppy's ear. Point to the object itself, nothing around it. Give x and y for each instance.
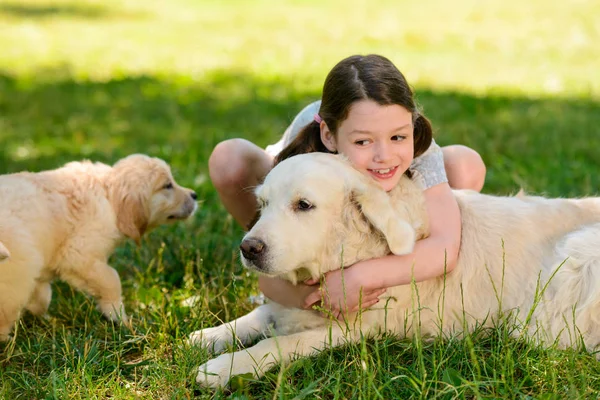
(376, 206)
(132, 215)
(129, 197)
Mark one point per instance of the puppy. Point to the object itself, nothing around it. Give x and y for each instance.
(65, 224)
(535, 258)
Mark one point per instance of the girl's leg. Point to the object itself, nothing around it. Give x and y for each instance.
(236, 167)
(464, 167)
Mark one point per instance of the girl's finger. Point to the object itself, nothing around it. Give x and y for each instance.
(374, 293)
(365, 305)
(368, 299)
(311, 299)
(311, 281)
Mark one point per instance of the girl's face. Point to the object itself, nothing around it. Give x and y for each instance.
(378, 140)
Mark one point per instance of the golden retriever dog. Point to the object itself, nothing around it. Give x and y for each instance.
(535, 258)
(65, 224)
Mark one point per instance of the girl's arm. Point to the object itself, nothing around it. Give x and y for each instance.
(430, 257)
(284, 292)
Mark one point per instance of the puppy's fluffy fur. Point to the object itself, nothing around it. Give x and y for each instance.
(66, 222)
(511, 247)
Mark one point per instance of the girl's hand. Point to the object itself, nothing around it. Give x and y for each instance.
(284, 292)
(344, 291)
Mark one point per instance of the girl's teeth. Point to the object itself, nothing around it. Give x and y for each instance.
(383, 171)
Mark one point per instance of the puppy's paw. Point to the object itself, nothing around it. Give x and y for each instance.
(114, 311)
(4, 253)
(213, 339)
(5, 335)
(216, 372)
(39, 302)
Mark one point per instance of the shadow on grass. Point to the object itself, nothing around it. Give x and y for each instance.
(45, 125)
(543, 145)
(20, 10)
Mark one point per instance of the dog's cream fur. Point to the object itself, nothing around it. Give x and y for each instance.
(65, 223)
(511, 247)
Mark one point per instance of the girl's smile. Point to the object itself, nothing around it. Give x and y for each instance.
(383, 174)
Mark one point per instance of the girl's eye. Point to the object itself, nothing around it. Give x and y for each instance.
(362, 142)
(168, 186)
(398, 138)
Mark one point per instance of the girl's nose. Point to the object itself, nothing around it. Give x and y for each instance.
(382, 153)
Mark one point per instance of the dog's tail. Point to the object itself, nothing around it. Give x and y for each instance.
(4, 253)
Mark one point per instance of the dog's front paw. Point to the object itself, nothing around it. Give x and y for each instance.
(214, 339)
(114, 311)
(216, 372)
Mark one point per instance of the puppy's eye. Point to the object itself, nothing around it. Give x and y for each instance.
(304, 205)
(168, 185)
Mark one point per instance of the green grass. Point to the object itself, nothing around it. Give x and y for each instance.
(515, 80)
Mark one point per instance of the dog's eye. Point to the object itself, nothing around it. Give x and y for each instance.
(168, 186)
(304, 205)
(262, 203)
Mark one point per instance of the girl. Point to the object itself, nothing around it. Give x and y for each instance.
(368, 113)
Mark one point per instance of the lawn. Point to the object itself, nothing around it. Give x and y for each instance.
(518, 81)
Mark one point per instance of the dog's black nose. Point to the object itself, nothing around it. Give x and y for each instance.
(194, 195)
(252, 248)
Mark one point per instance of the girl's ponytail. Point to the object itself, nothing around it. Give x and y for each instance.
(422, 133)
(308, 140)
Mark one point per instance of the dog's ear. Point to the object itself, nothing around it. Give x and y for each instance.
(132, 215)
(376, 206)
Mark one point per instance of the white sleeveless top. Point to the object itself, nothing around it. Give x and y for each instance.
(427, 169)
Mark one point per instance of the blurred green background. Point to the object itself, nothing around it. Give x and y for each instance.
(516, 80)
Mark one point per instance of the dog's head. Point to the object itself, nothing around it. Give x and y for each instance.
(310, 205)
(144, 195)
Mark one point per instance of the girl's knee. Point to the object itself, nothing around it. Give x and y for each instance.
(224, 153)
(464, 167)
(238, 163)
(228, 163)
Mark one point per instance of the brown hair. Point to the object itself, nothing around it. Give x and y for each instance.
(372, 77)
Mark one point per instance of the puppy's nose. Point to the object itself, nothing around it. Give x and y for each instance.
(194, 195)
(252, 248)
